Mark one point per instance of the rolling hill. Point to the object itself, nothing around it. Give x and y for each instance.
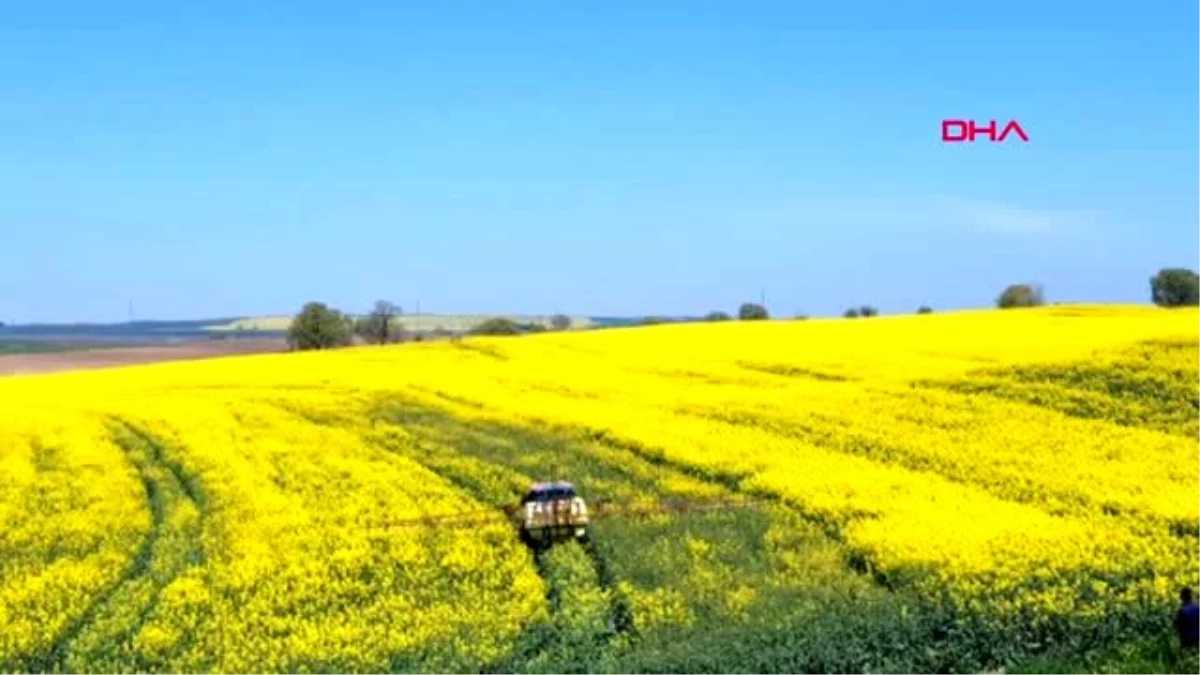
(951, 492)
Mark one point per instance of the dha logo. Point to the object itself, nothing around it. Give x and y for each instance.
(958, 131)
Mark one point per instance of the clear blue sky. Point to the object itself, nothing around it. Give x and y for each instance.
(607, 158)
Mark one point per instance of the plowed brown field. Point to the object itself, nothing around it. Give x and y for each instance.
(20, 364)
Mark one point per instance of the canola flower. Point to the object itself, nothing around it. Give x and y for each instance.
(1030, 470)
(73, 520)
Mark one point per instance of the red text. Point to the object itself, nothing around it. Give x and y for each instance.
(958, 131)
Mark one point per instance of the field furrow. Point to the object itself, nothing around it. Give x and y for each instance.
(109, 637)
(950, 493)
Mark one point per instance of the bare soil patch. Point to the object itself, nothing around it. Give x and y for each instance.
(22, 364)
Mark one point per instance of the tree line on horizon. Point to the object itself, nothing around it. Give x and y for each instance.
(318, 326)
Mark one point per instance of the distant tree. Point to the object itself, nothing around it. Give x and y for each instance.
(851, 313)
(924, 309)
(1021, 295)
(1175, 287)
(378, 327)
(801, 317)
(717, 316)
(751, 311)
(497, 326)
(560, 322)
(319, 327)
(867, 311)
(653, 320)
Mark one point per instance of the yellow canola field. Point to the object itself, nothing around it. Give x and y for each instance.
(240, 514)
(255, 541)
(73, 519)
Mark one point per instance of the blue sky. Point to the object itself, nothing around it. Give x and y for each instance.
(602, 158)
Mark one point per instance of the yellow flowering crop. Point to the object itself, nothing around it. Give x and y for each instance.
(1025, 470)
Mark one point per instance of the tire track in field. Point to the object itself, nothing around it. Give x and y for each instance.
(830, 434)
(732, 481)
(53, 658)
(493, 461)
(100, 639)
(485, 458)
(539, 640)
(620, 614)
(585, 612)
(418, 418)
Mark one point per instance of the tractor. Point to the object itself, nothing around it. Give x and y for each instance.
(551, 513)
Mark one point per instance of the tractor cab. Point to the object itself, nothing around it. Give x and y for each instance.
(552, 512)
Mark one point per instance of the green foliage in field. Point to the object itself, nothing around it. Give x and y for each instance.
(723, 590)
(35, 347)
(753, 589)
